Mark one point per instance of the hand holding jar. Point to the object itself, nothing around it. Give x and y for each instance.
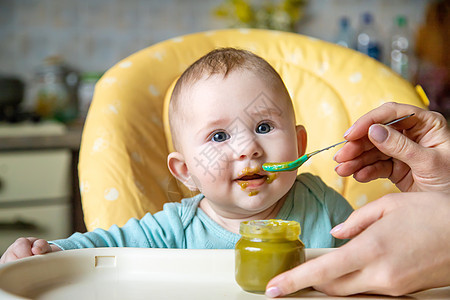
(387, 229)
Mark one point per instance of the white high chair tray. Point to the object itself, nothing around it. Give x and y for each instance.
(132, 273)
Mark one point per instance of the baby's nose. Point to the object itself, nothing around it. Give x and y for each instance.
(251, 150)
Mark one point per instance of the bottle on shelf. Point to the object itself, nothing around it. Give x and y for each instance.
(346, 35)
(368, 41)
(400, 56)
(54, 90)
(86, 91)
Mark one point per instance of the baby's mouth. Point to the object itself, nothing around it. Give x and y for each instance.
(252, 177)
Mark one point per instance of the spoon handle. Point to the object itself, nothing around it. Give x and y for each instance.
(318, 151)
(398, 120)
(387, 124)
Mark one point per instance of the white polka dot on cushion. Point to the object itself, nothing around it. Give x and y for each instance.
(100, 144)
(244, 30)
(136, 157)
(84, 186)
(357, 100)
(140, 186)
(251, 47)
(326, 107)
(339, 183)
(111, 194)
(387, 185)
(154, 90)
(361, 201)
(323, 67)
(355, 77)
(294, 57)
(125, 64)
(113, 108)
(95, 223)
(383, 100)
(386, 72)
(177, 39)
(156, 119)
(108, 80)
(158, 55)
(210, 32)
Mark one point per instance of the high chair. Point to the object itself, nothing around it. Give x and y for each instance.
(126, 139)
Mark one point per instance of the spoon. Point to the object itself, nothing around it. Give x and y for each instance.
(292, 165)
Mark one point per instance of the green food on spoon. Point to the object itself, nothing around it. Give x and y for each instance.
(292, 165)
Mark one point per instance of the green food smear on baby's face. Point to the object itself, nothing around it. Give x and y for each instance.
(244, 184)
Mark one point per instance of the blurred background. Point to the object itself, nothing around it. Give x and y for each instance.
(53, 51)
(89, 36)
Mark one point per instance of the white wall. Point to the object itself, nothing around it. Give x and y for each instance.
(94, 34)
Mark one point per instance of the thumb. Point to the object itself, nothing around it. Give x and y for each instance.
(40, 246)
(394, 144)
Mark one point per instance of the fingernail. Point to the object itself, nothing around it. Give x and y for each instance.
(348, 131)
(336, 228)
(335, 168)
(337, 152)
(378, 133)
(273, 292)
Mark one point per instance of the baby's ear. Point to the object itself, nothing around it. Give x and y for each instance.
(177, 166)
(301, 139)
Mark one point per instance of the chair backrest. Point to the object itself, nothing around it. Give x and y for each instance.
(124, 147)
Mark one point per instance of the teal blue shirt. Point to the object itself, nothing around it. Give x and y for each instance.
(317, 208)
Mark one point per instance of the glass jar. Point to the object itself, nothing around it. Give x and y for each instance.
(53, 90)
(266, 249)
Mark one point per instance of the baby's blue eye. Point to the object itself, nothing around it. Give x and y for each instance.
(264, 128)
(220, 136)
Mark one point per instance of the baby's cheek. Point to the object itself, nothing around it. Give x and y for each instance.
(285, 181)
(210, 164)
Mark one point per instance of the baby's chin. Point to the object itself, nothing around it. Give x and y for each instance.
(259, 201)
(248, 200)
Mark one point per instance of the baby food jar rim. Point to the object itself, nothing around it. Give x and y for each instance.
(270, 230)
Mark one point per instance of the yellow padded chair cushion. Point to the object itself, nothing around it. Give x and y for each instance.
(123, 154)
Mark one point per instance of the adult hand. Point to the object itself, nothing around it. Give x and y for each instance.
(400, 245)
(414, 153)
(24, 247)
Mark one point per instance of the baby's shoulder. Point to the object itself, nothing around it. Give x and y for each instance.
(185, 209)
(317, 187)
(312, 182)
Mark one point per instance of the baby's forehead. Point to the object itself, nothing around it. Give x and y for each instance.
(271, 98)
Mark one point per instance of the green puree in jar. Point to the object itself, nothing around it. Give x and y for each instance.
(266, 249)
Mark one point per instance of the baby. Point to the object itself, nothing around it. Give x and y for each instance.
(229, 113)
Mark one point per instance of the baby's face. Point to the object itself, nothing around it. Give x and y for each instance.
(233, 126)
